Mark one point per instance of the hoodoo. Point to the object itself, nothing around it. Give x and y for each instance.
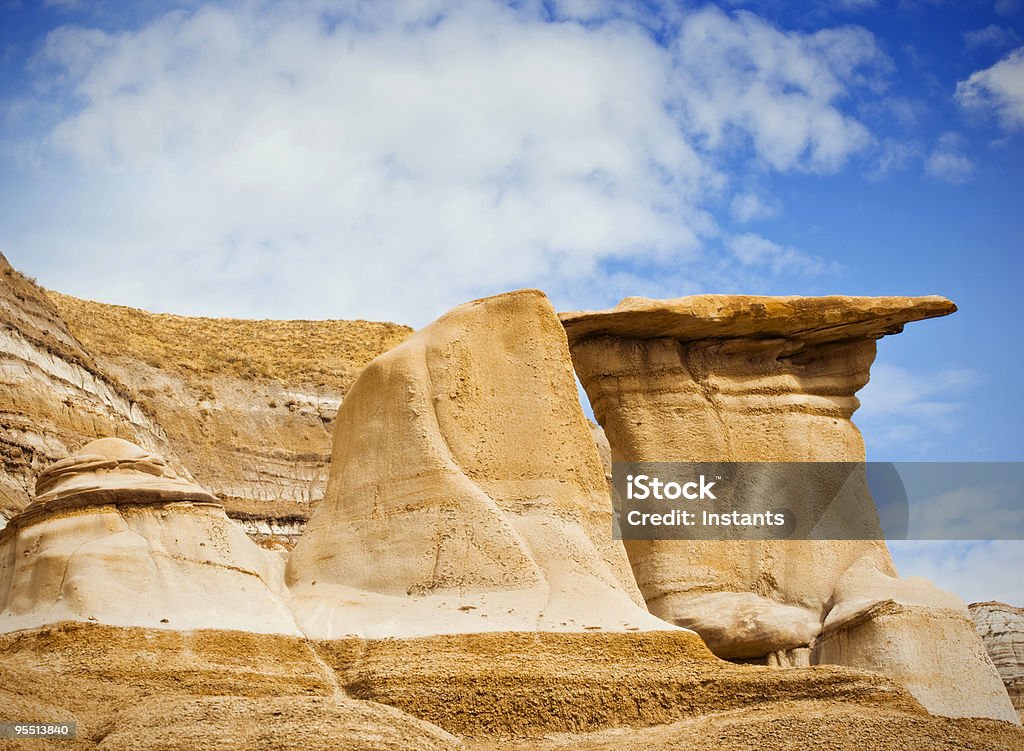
(115, 536)
(773, 379)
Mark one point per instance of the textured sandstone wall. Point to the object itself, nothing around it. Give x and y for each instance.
(247, 405)
(1001, 628)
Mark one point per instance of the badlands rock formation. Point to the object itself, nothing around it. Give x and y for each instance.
(1001, 628)
(919, 636)
(467, 508)
(763, 379)
(245, 406)
(466, 493)
(115, 536)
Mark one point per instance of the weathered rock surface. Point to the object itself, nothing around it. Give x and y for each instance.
(916, 634)
(763, 379)
(466, 493)
(115, 536)
(149, 688)
(139, 688)
(1001, 628)
(735, 378)
(246, 405)
(54, 395)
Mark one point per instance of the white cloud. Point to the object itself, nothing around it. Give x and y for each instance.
(947, 162)
(389, 160)
(976, 571)
(894, 155)
(750, 207)
(754, 250)
(999, 89)
(990, 36)
(971, 513)
(903, 411)
(739, 74)
(1007, 7)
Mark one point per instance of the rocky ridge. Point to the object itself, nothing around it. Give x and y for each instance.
(244, 407)
(54, 395)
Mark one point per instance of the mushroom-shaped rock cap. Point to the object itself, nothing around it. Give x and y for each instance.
(112, 470)
(810, 319)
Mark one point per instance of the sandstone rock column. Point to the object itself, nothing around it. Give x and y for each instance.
(748, 379)
(114, 536)
(734, 378)
(465, 491)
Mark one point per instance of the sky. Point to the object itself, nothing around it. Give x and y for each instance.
(390, 160)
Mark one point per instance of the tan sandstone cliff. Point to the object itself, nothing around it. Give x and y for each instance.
(54, 395)
(244, 407)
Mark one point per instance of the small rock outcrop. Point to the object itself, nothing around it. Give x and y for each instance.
(1001, 628)
(115, 536)
(917, 635)
(770, 379)
(466, 493)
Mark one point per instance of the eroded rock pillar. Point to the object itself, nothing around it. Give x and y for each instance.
(466, 493)
(750, 379)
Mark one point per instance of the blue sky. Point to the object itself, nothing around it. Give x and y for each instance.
(389, 160)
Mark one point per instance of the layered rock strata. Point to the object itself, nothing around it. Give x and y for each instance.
(1001, 628)
(115, 536)
(54, 395)
(764, 379)
(243, 406)
(466, 493)
(248, 406)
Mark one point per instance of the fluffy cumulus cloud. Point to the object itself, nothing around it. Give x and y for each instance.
(744, 79)
(998, 89)
(903, 411)
(990, 36)
(389, 160)
(753, 250)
